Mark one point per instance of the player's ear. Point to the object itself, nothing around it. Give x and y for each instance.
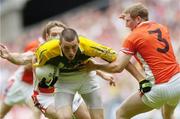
(78, 39)
(138, 19)
(47, 36)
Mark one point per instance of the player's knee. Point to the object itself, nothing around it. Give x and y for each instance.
(84, 115)
(51, 114)
(59, 116)
(2, 113)
(87, 117)
(4, 110)
(168, 112)
(67, 116)
(167, 115)
(120, 114)
(97, 113)
(100, 116)
(64, 116)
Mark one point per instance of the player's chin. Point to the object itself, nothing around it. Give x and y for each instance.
(70, 58)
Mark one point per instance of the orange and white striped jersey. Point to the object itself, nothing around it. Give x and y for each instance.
(150, 43)
(28, 74)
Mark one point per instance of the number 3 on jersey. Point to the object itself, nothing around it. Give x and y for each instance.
(159, 38)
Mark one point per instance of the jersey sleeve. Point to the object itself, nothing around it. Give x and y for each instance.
(128, 46)
(31, 46)
(94, 49)
(47, 51)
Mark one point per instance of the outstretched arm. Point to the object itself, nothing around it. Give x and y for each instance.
(133, 71)
(16, 58)
(107, 77)
(116, 66)
(122, 62)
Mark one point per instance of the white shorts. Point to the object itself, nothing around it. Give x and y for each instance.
(17, 91)
(77, 101)
(81, 82)
(166, 93)
(47, 99)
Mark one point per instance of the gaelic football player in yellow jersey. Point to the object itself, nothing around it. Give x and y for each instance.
(70, 57)
(45, 95)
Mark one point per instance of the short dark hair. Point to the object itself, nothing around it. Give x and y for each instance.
(69, 34)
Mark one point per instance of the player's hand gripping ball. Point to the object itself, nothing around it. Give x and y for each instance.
(46, 75)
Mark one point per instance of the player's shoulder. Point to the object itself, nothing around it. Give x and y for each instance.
(47, 51)
(49, 48)
(31, 46)
(84, 40)
(134, 35)
(49, 45)
(86, 44)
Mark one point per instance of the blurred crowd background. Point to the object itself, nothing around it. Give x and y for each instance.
(97, 20)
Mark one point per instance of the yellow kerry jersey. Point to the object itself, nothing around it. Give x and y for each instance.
(87, 47)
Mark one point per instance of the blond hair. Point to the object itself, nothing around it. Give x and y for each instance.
(50, 25)
(137, 10)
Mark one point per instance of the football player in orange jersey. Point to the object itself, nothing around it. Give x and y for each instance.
(150, 43)
(20, 86)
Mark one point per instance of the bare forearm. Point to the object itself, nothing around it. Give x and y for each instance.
(111, 68)
(20, 58)
(100, 73)
(115, 67)
(132, 69)
(14, 58)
